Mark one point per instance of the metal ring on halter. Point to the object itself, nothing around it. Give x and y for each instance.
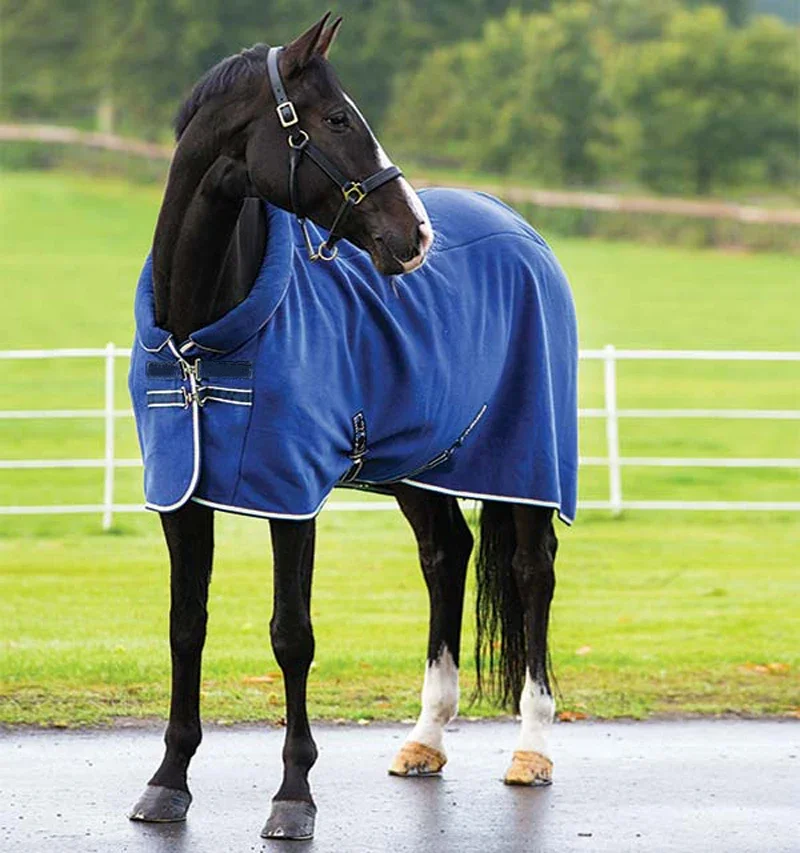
(298, 146)
(323, 247)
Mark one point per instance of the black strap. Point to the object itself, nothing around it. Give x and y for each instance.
(283, 106)
(354, 192)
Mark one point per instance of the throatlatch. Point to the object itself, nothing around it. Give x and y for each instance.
(354, 192)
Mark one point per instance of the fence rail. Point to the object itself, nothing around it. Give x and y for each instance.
(613, 461)
(604, 202)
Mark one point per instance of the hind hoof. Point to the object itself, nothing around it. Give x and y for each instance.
(161, 805)
(290, 819)
(416, 759)
(529, 768)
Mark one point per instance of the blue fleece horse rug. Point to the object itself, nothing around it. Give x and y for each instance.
(459, 377)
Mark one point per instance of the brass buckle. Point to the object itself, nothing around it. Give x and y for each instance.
(354, 193)
(287, 114)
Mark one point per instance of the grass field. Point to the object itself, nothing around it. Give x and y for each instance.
(670, 612)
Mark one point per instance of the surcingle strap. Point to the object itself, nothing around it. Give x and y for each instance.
(204, 370)
(359, 450)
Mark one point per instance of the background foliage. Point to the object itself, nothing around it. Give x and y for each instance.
(679, 96)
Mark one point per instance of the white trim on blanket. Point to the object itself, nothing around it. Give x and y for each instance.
(260, 513)
(223, 388)
(257, 513)
(478, 496)
(225, 400)
(195, 451)
(187, 345)
(150, 349)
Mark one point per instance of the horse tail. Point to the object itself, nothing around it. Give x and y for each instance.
(500, 653)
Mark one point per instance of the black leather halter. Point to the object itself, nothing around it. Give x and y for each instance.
(354, 192)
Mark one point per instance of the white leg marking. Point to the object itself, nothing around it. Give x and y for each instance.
(537, 709)
(439, 701)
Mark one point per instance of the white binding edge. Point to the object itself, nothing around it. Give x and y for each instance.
(258, 513)
(166, 405)
(223, 400)
(223, 388)
(157, 349)
(195, 464)
(479, 496)
(171, 391)
(187, 345)
(195, 447)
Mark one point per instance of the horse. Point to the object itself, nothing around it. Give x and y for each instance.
(440, 338)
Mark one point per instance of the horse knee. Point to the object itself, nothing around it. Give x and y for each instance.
(187, 633)
(292, 643)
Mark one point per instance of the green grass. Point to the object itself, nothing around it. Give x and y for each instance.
(682, 612)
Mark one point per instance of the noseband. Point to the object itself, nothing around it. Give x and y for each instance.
(354, 192)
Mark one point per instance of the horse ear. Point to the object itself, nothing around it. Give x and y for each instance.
(328, 38)
(297, 54)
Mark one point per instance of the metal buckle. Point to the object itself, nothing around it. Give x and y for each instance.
(190, 369)
(320, 253)
(353, 193)
(303, 137)
(287, 114)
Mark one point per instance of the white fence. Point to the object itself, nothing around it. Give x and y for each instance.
(611, 413)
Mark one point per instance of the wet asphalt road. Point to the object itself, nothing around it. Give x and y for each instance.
(693, 786)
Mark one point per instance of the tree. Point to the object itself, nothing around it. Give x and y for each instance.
(527, 97)
(709, 98)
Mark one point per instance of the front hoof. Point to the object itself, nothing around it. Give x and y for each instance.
(417, 759)
(161, 805)
(290, 819)
(529, 768)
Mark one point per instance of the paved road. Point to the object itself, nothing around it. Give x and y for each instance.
(694, 787)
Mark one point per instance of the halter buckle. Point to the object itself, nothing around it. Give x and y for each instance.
(353, 193)
(301, 142)
(287, 114)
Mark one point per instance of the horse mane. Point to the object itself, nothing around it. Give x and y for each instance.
(219, 79)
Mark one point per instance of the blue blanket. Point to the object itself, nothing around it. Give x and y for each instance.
(459, 377)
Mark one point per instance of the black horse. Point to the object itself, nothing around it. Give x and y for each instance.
(209, 242)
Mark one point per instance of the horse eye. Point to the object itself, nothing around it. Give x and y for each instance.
(338, 120)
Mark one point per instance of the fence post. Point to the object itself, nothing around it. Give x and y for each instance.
(108, 485)
(612, 429)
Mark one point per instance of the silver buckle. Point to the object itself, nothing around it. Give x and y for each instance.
(287, 114)
(321, 252)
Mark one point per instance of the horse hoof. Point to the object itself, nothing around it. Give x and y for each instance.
(529, 768)
(290, 819)
(161, 805)
(417, 759)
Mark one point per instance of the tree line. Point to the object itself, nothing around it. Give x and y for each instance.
(677, 95)
(678, 99)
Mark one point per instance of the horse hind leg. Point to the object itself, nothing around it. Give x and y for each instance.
(444, 542)
(533, 569)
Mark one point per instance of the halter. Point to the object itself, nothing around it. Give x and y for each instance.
(354, 192)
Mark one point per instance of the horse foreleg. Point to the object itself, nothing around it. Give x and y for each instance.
(190, 539)
(444, 542)
(293, 809)
(533, 567)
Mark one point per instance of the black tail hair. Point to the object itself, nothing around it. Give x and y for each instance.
(500, 630)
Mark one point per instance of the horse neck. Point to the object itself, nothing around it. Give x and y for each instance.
(198, 216)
